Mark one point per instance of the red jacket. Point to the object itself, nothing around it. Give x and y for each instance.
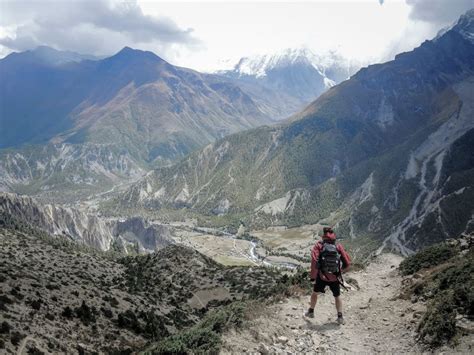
(345, 259)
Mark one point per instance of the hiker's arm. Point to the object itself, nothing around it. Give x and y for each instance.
(346, 260)
(314, 261)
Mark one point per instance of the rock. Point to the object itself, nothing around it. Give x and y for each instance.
(282, 339)
(464, 244)
(316, 340)
(263, 349)
(465, 324)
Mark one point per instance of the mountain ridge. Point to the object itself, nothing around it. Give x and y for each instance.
(133, 106)
(348, 148)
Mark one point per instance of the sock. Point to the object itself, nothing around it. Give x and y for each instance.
(339, 314)
(311, 310)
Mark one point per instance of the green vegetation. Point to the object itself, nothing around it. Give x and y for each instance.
(204, 337)
(428, 257)
(453, 294)
(447, 285)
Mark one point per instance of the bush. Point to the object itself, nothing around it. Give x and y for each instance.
(196, 340)
(85, 313)
(204, 337)
(438, 325)
(428, 257)
(453, 290)
(129, 320)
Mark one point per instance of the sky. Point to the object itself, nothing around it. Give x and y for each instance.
(216, 34)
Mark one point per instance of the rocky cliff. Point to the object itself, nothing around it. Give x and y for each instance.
(126, 235)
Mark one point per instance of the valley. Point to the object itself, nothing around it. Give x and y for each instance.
(150, 208)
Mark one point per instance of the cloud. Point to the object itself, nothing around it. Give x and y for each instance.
(427, 18)
(95, 27)
(438, 12)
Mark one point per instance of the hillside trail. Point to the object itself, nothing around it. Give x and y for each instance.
(376, 320)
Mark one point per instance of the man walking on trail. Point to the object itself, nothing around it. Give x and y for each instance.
(328, 261)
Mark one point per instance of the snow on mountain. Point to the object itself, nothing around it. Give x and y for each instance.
(331, 65)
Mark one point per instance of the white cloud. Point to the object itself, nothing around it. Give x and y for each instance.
(369, 30)
(96, 27)
(438, 12)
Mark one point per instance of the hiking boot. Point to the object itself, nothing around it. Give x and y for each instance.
(309, 314)
(340, 319)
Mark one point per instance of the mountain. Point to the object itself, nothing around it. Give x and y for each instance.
(109, 119)
(291, 78)
(386, 157)
(48, 56)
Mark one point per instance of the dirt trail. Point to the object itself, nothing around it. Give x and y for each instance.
(376, 321)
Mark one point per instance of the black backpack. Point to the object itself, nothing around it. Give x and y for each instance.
(330, 259)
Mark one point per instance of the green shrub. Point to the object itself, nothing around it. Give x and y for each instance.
(196, 340)
(204, 337)
(438, 325)
(453, 293)
(428, 257)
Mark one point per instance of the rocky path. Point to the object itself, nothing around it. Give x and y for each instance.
(376, 320)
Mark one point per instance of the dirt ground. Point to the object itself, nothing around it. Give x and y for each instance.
(376, 320)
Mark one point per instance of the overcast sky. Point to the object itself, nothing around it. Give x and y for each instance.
(203, 35)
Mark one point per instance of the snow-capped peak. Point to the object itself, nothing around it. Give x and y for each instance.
(325, 63)
(259, 65)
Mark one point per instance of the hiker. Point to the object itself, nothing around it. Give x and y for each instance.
(328, 261)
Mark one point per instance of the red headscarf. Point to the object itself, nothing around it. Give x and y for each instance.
(329, 235)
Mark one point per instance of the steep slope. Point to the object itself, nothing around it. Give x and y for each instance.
(61, 298)
(132, 107)
(376, 155)
(292, 78)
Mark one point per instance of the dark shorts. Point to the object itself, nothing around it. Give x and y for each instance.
(320, 287)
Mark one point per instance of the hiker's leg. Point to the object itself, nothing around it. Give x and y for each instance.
(336, 292)
(338, 304)
(314, 300)
(317, 288)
